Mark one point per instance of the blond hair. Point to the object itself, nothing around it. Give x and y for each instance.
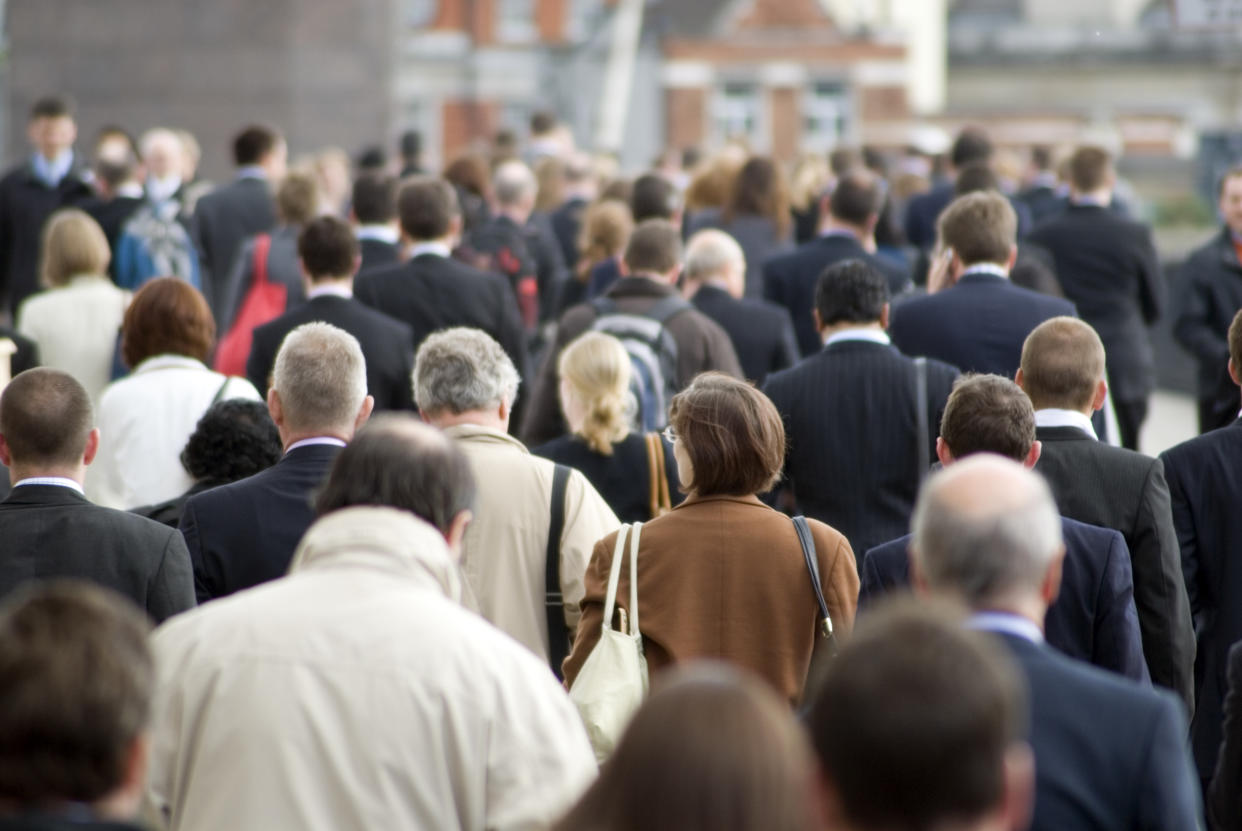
(597, 369)
(606, 229)
(73, 244)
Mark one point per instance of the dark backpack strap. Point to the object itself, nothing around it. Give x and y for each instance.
(812, 567)
(220, 392)
(920, 402)
(554, 601)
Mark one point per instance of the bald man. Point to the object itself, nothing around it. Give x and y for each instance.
(1109, 753)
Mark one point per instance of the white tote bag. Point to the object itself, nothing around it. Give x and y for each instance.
(613, 680)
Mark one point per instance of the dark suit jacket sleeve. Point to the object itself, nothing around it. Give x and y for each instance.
(1225, 794)
(403, 396)
(259, 363)
(1118, 642)
(1193, 327)
(721, 356)
(1160, 591)
(874, 580)
(1169, 793)
(786, 353)
(1198, 591)
(172, 587)
(1151, 281)
(237, 284)
(193, 543)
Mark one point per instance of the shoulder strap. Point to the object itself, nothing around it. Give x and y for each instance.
(668, 307)
(920, 403)
(603, 305)
(262, 245)
(554, 601)
(812, 567)
(219, 396)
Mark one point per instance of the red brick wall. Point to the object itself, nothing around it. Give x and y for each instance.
(685, 117)
(786, 123)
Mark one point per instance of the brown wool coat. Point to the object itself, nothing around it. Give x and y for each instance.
(724, 577)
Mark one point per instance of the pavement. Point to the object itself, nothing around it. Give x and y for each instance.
(1171, 419)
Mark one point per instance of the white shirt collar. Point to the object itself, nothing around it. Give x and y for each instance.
(838, 232)
(437, 248)
(329, 290)
(1054, 417)
(252, 171)
(58, 481)
(869, 335)
(314, 440)
(383, 233)
(1007, 623)
(986, 268)
(157, 362)
(130, 190)
(161, 190)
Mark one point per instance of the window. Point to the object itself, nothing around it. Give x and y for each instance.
(585, 18)
(737, 112)
(825, 115)
(419, 13)
(515, 21)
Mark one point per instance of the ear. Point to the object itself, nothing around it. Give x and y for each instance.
(92, 446)
(364, 412)
(1051, 586)
(885, 315)
(274, 407)
(136, 760)
(1013, 257)
(457, 533)
(6, 458)
(1018, 802)
(1233, 373)
(1032, 455)
(455, 226)
(1017, 378)
(504, 411)
(819, 324)
(917, 580)
(357, 264)
(1101, 395)
(942, 451)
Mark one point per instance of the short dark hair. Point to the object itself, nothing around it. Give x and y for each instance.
(1041, 157)
(914, 719)
(167, 316)
(850, 291)
(1063, 361)
(45, 417)
(52, 106)
(374, 198)
(732, 433)
(253, 143)
(971, 145)
(988, 414)
(857, 198)
(654, 246)
(78, 684)
(427, 207)
(541, 122)
(1090, 168)
(411, 144)
(328, 248)
(398, 462)
(842, 160)
(234, 439)
(976, 176)
(653, 197)
(980, 227)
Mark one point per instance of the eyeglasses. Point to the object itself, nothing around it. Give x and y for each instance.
(669, 435)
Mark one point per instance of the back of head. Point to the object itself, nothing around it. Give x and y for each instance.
(712, 254)
(653, 248)
(395, 461)
(253, 144)
(857, 198)
(427, 207)
(988, 414)
(914, 722)
(374, 198)
(73, 245)
(234, 439)
(513, 185)
(166, 317)
(976, 176)
(1090, 169)
(597, 369)
(78, 680)
(542, 122)
(851, 291)
(760, 189)
(653, 197)
(985, 531)
(606, 229)
(711, 749)
(328, 248)
(45, 419)
(297, 198)
(411, 145)
(321, 377)
(971, 145)
(980, 227)
(844, 159)
(461, 370)
(1062, 364)
(1041, 157)
(470, 173)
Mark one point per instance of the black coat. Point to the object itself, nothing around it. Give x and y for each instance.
(977, 325)
(376, 253)
(790, 280)
(1093, 618)
(851, 428)
(386, 346)
(245, 533)
(1205, 486)
(1209, 294)
(762, 332)
(223, 220)
(112, 215)
(1225, 795)
(1116, 488)
(623, 478)
(1107, 266)
(566, 224)
(25, 205)
(49, 531)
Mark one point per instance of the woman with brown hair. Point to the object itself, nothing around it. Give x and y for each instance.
(711, 750)
(472, 179)
(146, 418)
(723, 575)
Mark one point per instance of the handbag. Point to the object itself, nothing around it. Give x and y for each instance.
(613, 680)
(264, 301)
(825, 639)
(661, 501)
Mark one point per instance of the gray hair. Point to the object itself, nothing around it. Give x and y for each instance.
(513, 183)
(321, 377)
(710, 252)
(461, 369)
(984, 529)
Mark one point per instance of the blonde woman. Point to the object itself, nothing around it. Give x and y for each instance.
(77, 319)
(631, 471)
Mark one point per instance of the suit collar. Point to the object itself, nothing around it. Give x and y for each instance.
(638, 287)
(310, 454)
(838, 241)
(45, 495)
(981, 278)
(710, 292)
(1061, 434)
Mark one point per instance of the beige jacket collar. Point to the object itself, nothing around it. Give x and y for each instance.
(475, 433)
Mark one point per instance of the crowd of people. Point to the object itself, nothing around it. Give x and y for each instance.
(330, 487)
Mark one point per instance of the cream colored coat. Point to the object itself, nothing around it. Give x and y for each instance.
(357, 694)
(506, 544)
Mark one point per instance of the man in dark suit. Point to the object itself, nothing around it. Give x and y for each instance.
(48, 527)
(1063, 373)
(566, 218)
(1109, 753)
(1211, 292)
(329, 256)
(374, 212)
(851, 413)
(849, 215)
(1040, 194)
(1225, 794)
(1107, 266)
(229, 215)
(432, 291)
(762, 333)
(971, 146)
(973, 317)
(1205, 487)
(1093, 618)
(245, 533)
(31, 192)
